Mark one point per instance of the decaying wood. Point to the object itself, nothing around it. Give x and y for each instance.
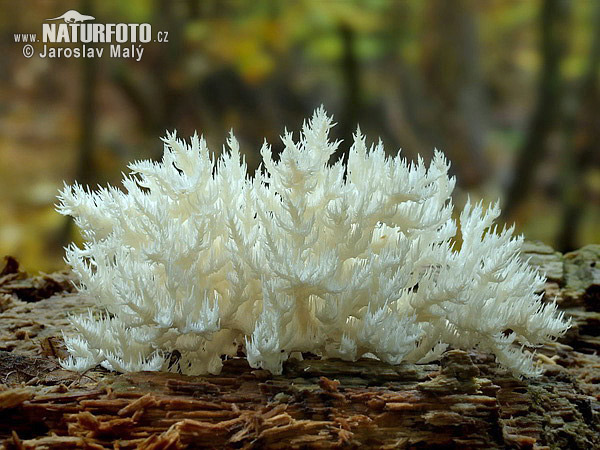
(463, 401)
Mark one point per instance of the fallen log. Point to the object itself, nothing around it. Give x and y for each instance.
(462, 401)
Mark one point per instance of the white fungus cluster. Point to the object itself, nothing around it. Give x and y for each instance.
(195, 258)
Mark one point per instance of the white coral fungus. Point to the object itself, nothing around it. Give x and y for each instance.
(197, 259)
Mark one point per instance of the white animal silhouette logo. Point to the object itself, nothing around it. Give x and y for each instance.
(73, 16)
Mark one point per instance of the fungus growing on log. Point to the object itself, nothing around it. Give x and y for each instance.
(196, 258)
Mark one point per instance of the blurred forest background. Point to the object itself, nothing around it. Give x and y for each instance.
(508, 89)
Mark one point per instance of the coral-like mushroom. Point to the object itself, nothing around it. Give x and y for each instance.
(196, 256)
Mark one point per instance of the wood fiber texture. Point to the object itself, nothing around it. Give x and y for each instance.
(463, 401)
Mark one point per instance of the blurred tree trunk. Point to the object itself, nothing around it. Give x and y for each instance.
(583, 139)
(157, 94)
(400, 87)
(554, 32)
(450, 66)
(85, 172)
(168, 18)
(87, 136)
(351, 90)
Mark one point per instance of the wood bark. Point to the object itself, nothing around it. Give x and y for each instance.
(462, 401)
